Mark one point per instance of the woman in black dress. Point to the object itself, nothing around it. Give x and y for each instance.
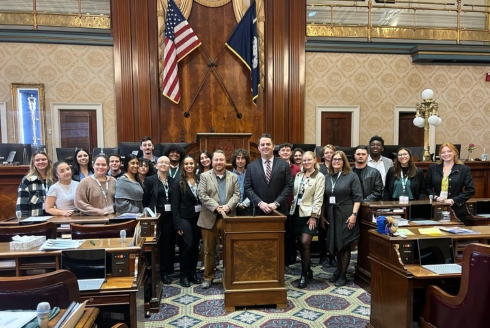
(343, 197)
(404, 178)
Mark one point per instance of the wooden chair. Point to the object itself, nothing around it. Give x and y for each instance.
(471, 307)
(58, 288)
(80, 231)
(47, 229)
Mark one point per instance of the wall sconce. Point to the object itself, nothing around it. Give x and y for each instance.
(427, 114)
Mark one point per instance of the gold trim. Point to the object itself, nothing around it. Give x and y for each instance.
(212, 3)
(14, 87)
(73, 20)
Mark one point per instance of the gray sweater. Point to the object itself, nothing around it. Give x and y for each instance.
(129, 196)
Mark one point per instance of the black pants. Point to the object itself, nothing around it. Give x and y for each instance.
(189, 246)
(167, 244)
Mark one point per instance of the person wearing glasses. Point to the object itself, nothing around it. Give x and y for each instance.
(343, 197)
(380, 163)
(404, 179)
(34, 186)
(306, 207)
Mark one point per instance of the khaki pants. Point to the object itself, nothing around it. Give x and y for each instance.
(210, 239)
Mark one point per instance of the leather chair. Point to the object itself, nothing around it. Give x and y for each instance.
(471, 307)
(47, 229)
(58, 288)
(80, 231)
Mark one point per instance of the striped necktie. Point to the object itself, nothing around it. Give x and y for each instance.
(268, 171)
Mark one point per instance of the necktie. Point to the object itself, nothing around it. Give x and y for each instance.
(268, 171)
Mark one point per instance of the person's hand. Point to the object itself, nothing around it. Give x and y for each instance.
(272, 206)
(225, 209)
(323, 222)
(449, 201)
(264, 207)
(312, 223)
(180, 232)
(351, 221)
(68, 213)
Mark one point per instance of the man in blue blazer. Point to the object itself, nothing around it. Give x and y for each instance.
(268, 181)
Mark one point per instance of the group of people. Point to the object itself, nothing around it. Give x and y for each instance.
(192, 196)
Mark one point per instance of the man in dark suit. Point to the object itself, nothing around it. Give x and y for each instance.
(268, 181)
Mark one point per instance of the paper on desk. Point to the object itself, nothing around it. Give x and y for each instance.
(406, 232)
(17, 319)
(430, 231)
(403, 223)
(37, 218)
(56, 244)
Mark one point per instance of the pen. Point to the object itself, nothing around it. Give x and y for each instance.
(92, 242)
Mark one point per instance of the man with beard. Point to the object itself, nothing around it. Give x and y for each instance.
(146, 146)
(115, 166)
(219, 193)
(176, 153)
(370, 178)
(382, 164)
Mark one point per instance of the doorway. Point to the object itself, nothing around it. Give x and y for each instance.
(337, 125)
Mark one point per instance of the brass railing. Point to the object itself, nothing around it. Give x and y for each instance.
(441, 21)
(68, 14)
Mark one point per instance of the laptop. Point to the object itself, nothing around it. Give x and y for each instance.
(88, 265)
(482, 208)
(437, 255)
(420, 212)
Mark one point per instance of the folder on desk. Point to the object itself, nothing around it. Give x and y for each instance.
(430, 231)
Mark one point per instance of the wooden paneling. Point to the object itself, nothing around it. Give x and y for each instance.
(10, 178)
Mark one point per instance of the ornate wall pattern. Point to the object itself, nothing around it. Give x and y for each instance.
(71, 74)
(378, 83)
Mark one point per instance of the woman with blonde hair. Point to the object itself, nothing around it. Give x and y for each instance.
(343, 197)
(306, 207)
(450, 181)
(34, 187)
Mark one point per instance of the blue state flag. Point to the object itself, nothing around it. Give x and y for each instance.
(244, 42)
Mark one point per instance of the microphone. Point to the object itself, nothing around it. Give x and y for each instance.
(122, 233)
(43, 312)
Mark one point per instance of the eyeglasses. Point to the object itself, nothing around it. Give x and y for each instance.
(403, 155)
(337, 159)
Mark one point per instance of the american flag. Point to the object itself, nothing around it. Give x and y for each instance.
(180, 40)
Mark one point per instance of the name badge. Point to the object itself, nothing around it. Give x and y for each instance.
(403, 199)
(443, 194)
(299, 201)
(331, 199)
(198, 208)
(168, 207)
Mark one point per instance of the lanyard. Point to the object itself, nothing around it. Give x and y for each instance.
(104, 192)
(165, 187)
(404, 182)
(331, 180)
(193, 189)
(175, 172)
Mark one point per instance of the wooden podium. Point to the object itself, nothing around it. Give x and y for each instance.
(253, 271)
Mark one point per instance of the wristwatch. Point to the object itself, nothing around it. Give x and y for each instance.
(354, 213)
(277, 204)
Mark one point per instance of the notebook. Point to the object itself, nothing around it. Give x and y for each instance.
(482, 208)
(88, 265)
(437, 255)
(420, 212)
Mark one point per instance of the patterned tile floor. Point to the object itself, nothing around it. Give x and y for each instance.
(321, 304)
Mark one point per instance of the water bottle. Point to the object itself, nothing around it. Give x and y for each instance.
(484, 156)
(43, 312)
(122, 234)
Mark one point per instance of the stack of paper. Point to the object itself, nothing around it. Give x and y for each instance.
(56, 244)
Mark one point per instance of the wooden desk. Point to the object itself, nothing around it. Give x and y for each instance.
(362, 276)
(394, 284)
(86, 321)
(10, 178)
(152, 250)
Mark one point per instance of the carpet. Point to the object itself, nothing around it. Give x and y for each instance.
(321, 304)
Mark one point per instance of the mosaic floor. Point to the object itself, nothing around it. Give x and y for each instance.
(321, 304)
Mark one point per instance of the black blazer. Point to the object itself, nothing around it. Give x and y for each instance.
(461, 186)
(183, 205)
(417, 185)
(278, 189)
(150, 197)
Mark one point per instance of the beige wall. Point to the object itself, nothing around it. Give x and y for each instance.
(378, 83)
(71, 74)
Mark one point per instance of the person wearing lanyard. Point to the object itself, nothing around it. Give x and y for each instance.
(343, 197)
(158, 196)
(33, 188)
(129, 191)
(176, 154)
(186, 208)
(404, 179)
(450, 181)
(95, 194)
(306, 207)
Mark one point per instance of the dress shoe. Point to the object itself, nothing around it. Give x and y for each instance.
(184, 282)
(166, 279)
(206, 284)
(341, 282)
(194, 279)
(335, 276)
(332, 261)
(303, 282)
(310, 274)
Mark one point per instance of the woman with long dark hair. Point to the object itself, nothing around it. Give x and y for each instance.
(186, 208)
(129, 191)
(34, 187)
(404, 178)
(204, 162)
(158, 196)
(82, 165)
